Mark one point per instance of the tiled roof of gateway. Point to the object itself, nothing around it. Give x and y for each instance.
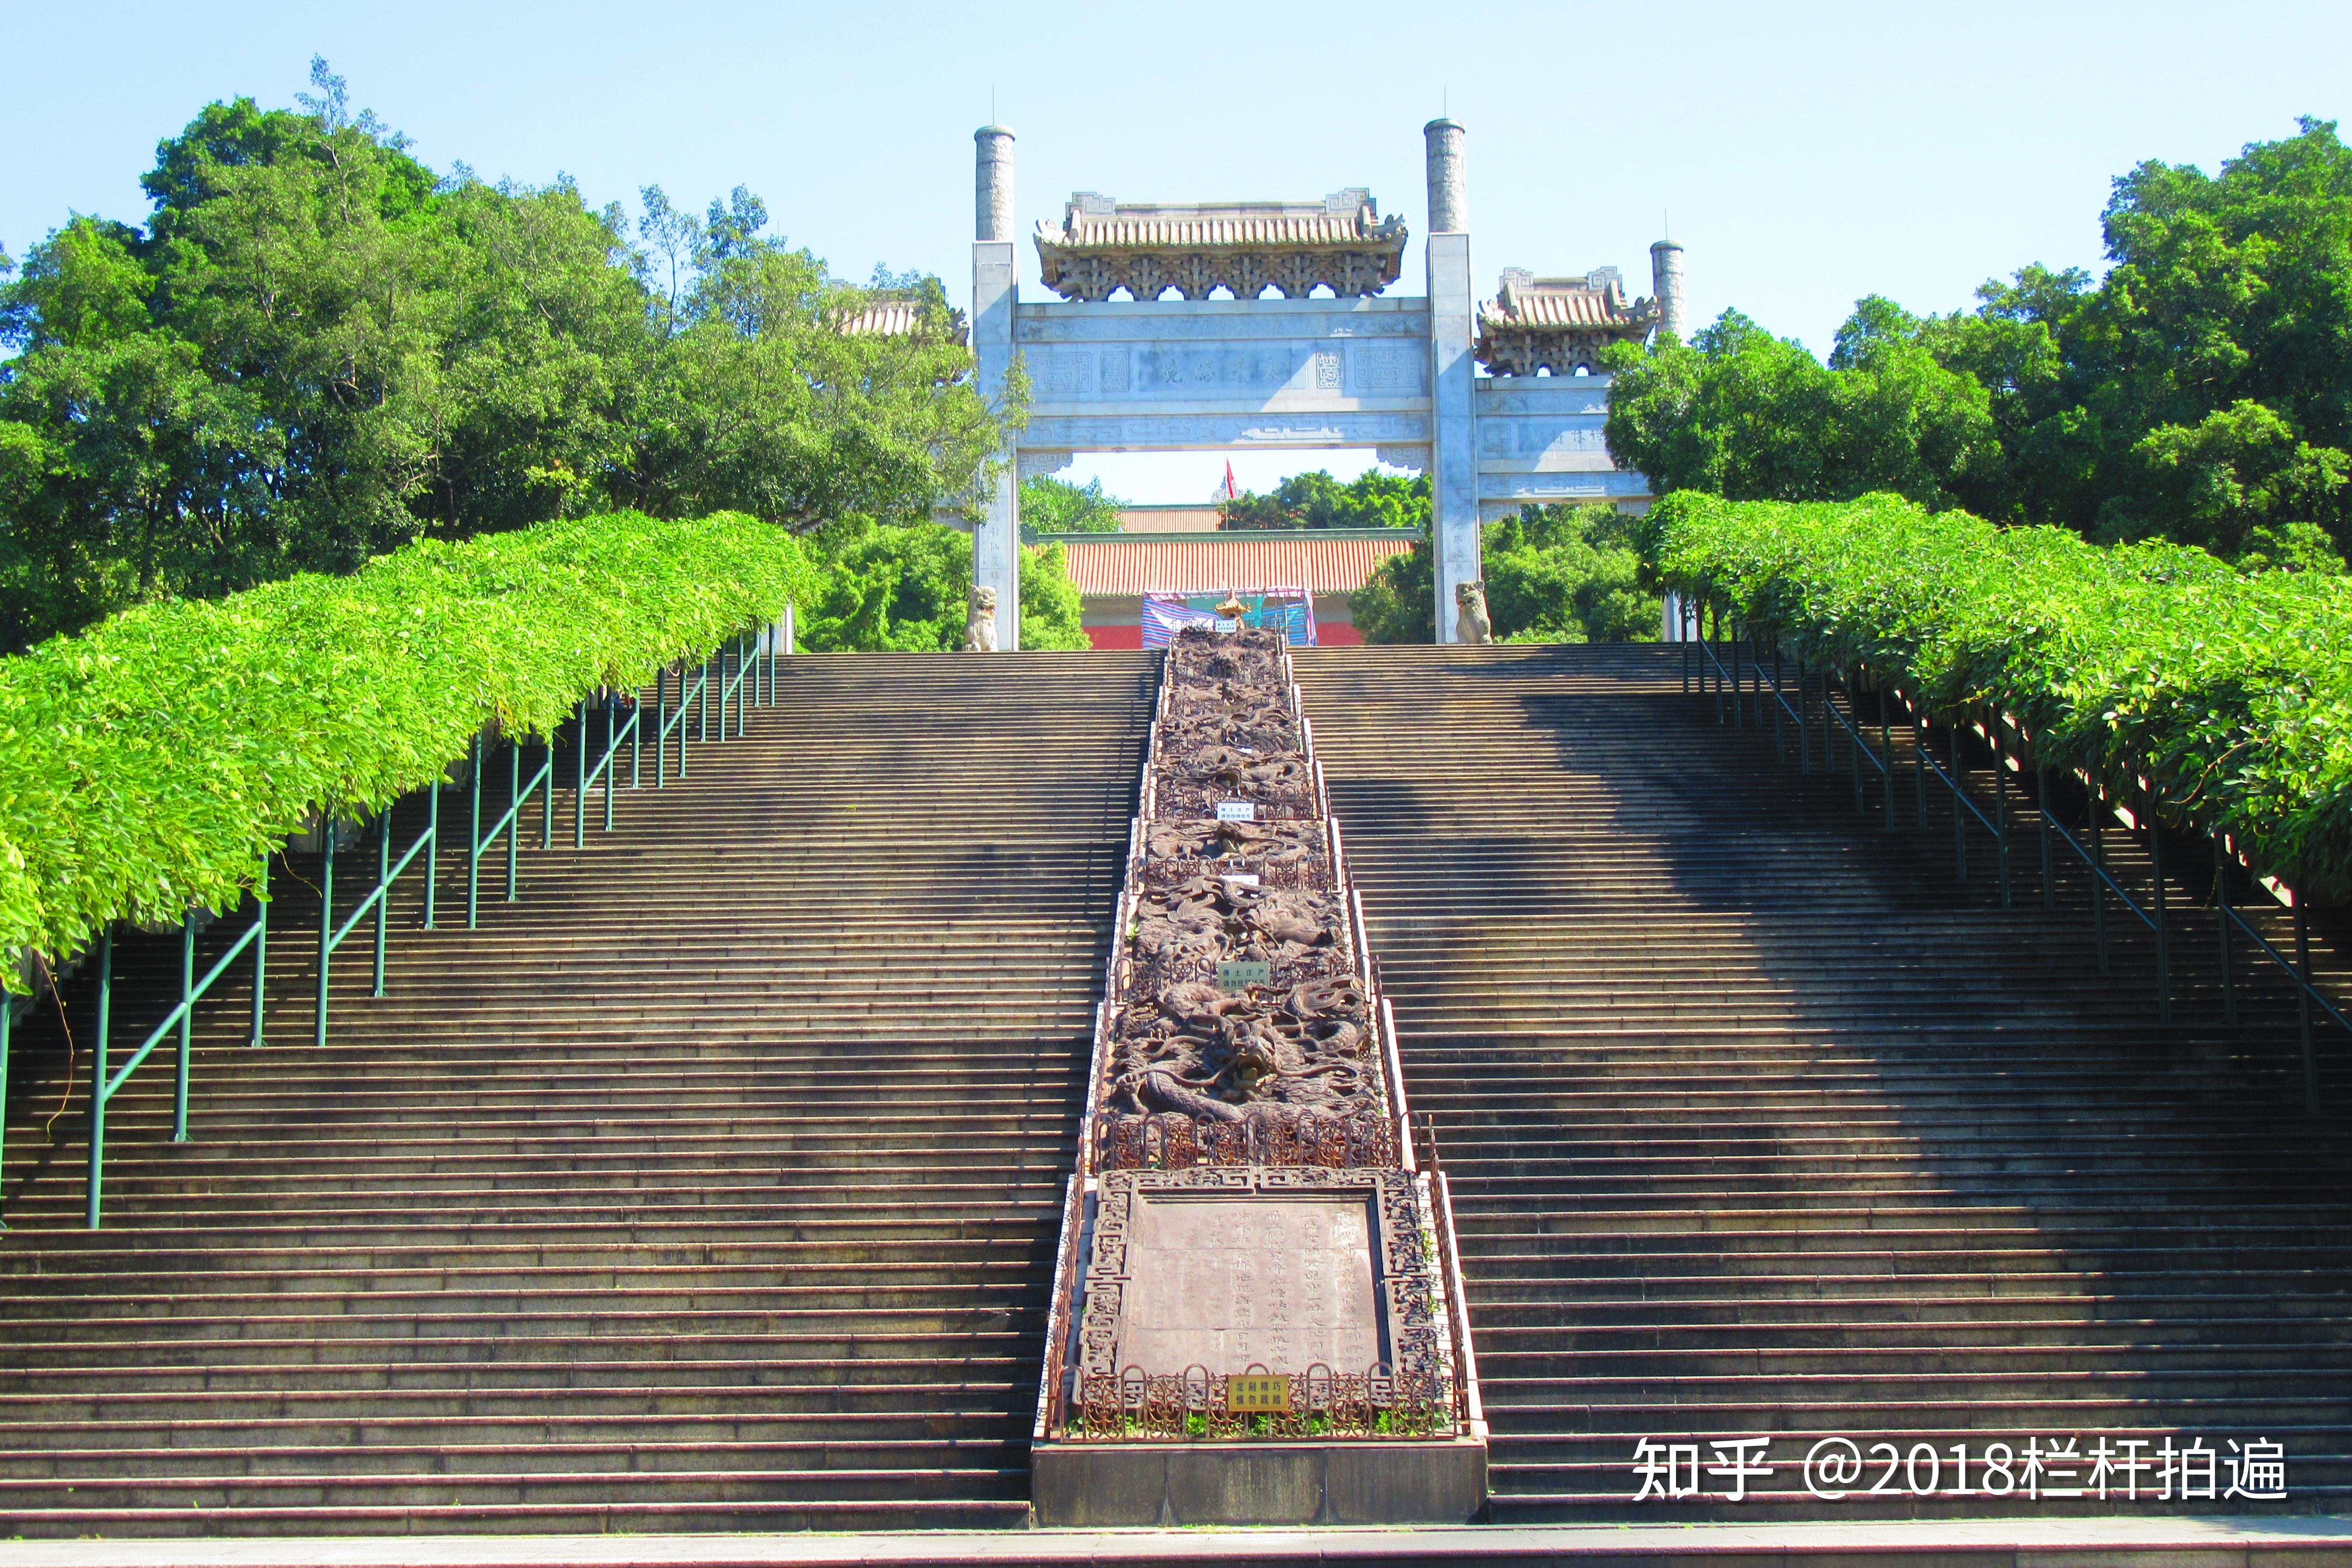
(1217, 562)
(887, 317)
(1092, 222)
(1596, 300)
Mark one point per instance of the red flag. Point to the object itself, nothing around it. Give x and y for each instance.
(1230, 493)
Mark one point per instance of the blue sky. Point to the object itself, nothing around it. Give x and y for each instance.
(1807, 154)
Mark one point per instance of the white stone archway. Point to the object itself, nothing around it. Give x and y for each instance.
(1398, 373)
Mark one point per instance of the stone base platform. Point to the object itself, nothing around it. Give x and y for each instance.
(1104, 1486)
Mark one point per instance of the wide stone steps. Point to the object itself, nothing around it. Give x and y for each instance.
(1759, 1123)
(713, 1185)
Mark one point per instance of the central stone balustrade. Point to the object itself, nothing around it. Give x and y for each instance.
(1254, 1320)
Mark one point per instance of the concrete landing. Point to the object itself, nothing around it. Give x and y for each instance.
(2308, 1542)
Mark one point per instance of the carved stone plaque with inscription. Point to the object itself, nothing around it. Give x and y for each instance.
(1223, 1283)
(1223, 1267)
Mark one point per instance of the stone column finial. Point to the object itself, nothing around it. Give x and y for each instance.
(1667, 286)
(993, 186)
(1449, 178)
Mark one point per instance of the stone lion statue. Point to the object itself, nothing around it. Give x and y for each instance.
(980, 622)
(1472, 625)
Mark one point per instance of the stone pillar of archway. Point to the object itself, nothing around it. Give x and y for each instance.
(1452, 328)
(996, 540)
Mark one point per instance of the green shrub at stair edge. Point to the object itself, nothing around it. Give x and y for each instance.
(148, 765)
(2234, 693)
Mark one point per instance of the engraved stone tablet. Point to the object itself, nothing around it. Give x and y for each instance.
(1228, 1282)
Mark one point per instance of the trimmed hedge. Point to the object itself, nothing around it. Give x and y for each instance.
(148, 765)
(2232, 693)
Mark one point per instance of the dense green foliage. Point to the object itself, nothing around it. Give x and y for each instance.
(147, 765)
(1370, 499)
(2233, 692)
(2201, 391)
(908, 588)
(1053, 506)
(1746, 414)
(317, 350)
(1554, 573)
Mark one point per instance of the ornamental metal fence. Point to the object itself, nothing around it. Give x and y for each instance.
(742, 670)
(1747, 678)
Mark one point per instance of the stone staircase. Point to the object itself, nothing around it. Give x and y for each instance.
(714, 1187)
(1760, 1126)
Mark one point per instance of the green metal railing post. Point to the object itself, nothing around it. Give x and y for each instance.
(580, 782)
(98, 1083)
(2222, 919)
(431, 855)
(2042, 815)
(474, 844)
(2163, 947)
(187, 1022)
(326, 923)
(2302, 1007)
(547, 793)
(1854, 740)
(1804, 727)
(1960, 811)
(636, 740)
(260, 947)
(1732, 643)
(702, 714)
(1920, 763)
(2099, 867)
(1886, 745)
(661, 723)
(514, 825)
(7, 1025)
(1780, 742)
(383, 890)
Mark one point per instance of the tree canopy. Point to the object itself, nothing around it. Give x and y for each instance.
(2199, 392)
(1370, 499)
(1056, 506)
(317, 349)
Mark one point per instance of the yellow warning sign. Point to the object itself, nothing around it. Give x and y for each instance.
(1264, 1394)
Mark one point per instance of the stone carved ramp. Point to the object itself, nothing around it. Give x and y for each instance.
(1761, 1127)
(713, 1187)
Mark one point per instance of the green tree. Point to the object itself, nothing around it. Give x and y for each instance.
(1754, 417)
(2201, 391)
(1050, 616)
(908, 588)
(1372, 500)
(317, 350)
(1056, 506)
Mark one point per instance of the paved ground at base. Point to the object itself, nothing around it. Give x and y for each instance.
(1976, 1543)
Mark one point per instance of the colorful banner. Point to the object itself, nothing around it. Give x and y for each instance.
(1290, 611)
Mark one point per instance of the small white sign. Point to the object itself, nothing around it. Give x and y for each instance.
(1240, 879)
(1236, 811)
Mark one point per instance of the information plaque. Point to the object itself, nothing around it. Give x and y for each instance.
(1240, 975)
